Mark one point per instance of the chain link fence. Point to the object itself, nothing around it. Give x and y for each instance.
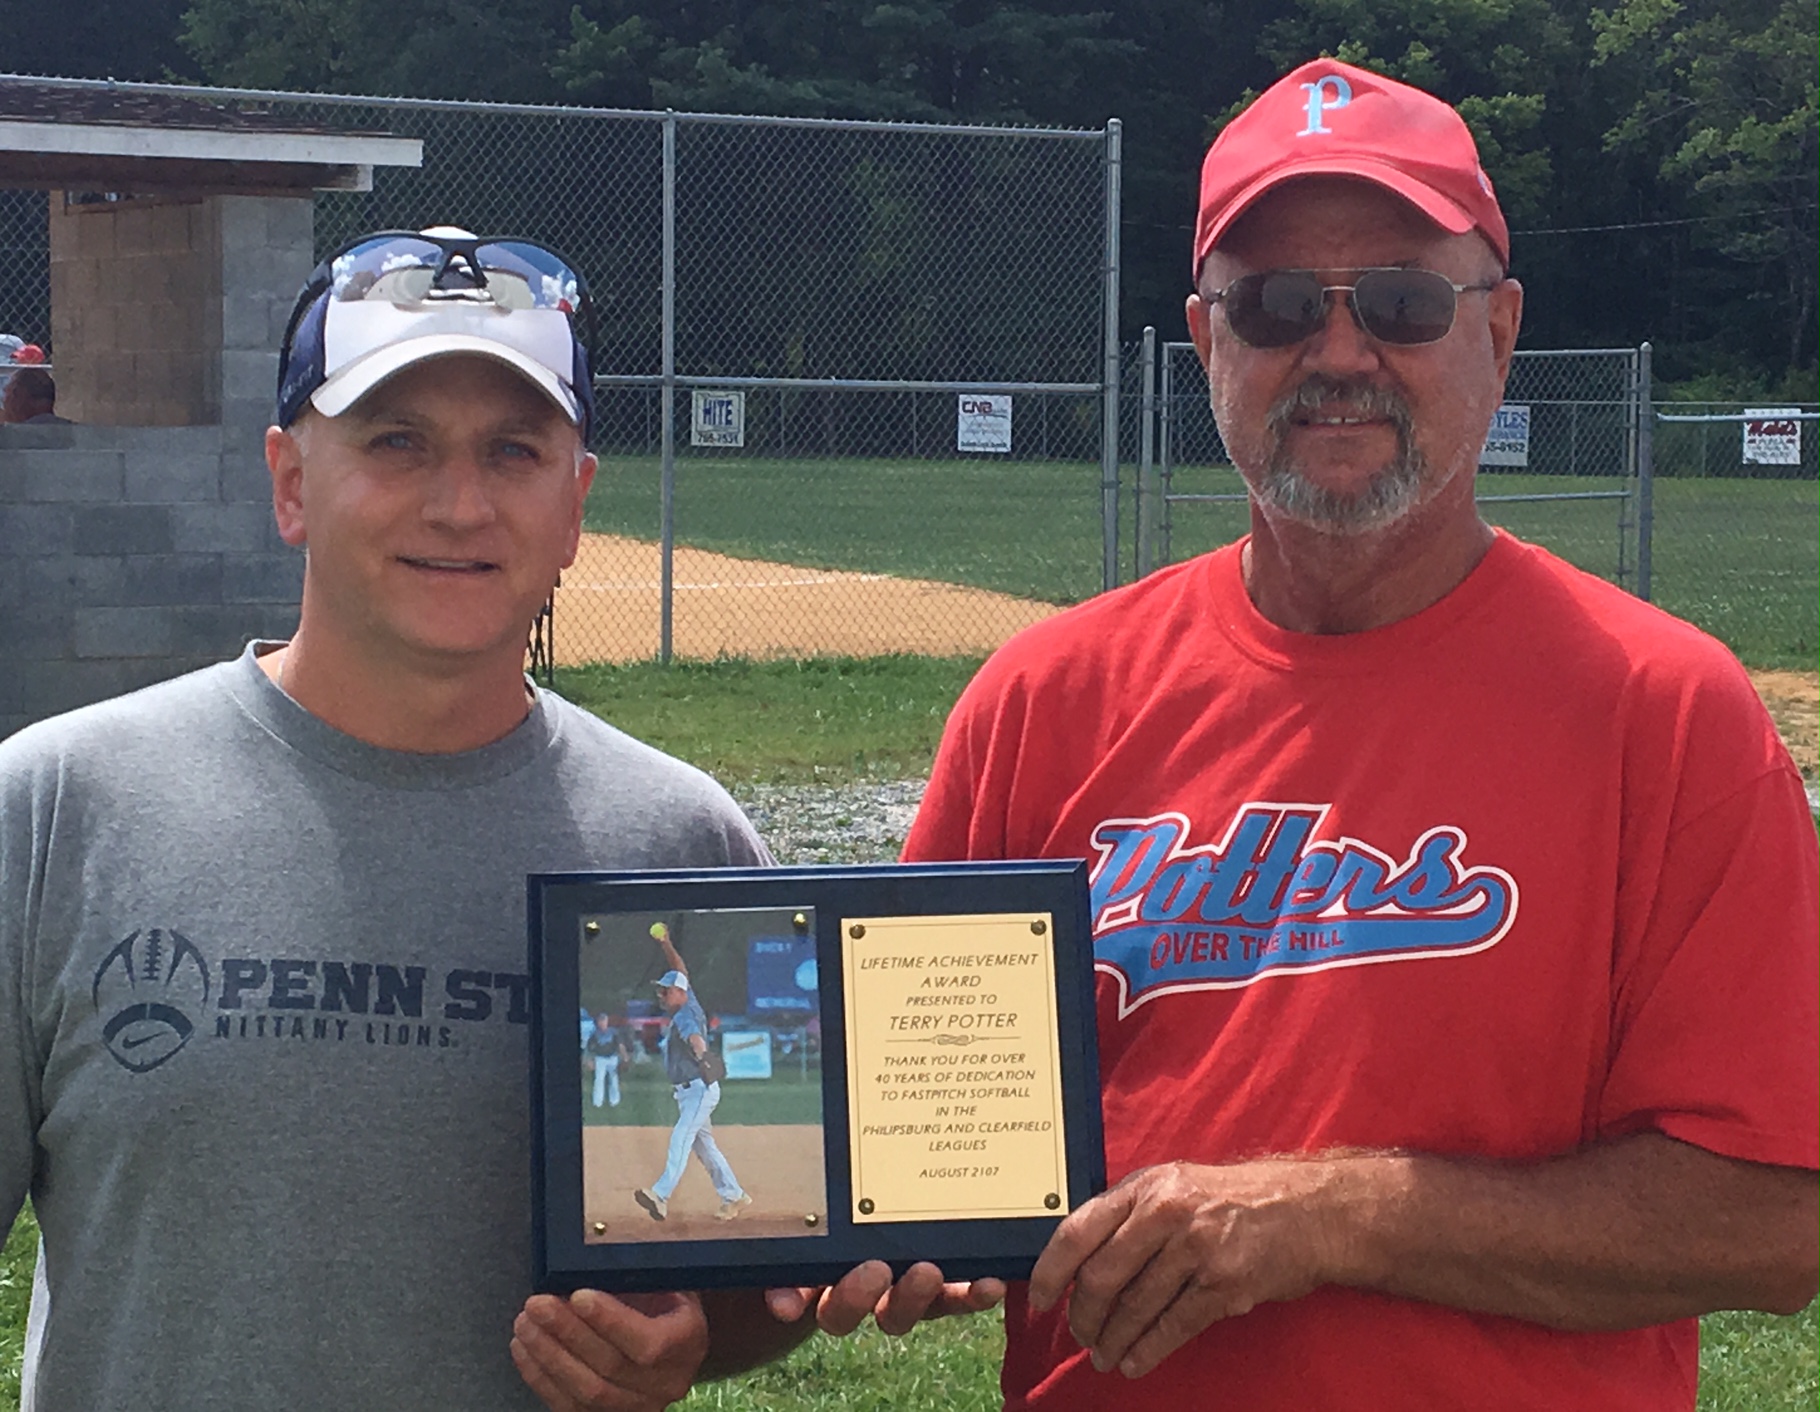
(855, 379)
(1573, 417)
(792, 318)
(806, 333)
(25, 266)
(1733, 514)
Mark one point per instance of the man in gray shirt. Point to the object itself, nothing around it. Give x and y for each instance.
(263, 1009)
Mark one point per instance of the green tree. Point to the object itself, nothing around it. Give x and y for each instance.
(1500, 62)
(123, 39)
(486, 49)
(1725, 109)
(916, 59)
(1516, 71)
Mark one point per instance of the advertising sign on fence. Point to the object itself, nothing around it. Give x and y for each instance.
(1775, 440)
(719, 420)
(1507, 442)
(984, 422)
(746, 1053)
(781, 975)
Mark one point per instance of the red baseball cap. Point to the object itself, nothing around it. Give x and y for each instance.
(1331, 119)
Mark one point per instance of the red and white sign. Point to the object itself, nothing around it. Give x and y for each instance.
(1772, 437)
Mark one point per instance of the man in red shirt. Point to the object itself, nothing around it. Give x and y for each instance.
(1454, 912)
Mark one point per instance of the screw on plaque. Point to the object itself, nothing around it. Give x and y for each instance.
(1052, 1201)
(856, 931)
(866, 1208)
(800, 922)
(600, 1228)
(812, 1220)
(1039, 927)
(591, 927)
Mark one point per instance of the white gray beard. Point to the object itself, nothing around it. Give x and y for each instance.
(1388, 496)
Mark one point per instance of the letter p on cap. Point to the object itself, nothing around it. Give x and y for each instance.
(1327, 94)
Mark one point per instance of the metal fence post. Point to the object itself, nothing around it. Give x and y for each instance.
(1646, 479)
(1165, 435)
(667, 404)
(1147, 516)
(1109, 386)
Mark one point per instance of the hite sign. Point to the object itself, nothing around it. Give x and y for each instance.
(984, 422)
(1507, 442)
(719, 419)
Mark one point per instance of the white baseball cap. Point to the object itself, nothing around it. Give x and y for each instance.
(396, 298)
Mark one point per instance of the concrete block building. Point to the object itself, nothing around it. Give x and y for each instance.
(137, 542)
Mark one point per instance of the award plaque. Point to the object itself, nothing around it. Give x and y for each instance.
(780, 1073)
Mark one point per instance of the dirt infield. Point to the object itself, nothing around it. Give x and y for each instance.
(607, 609)
(1793, 699)
(779, 1165)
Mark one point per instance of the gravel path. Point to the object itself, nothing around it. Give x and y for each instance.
(848, 823)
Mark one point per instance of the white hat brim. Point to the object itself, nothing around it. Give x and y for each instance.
(354, 380)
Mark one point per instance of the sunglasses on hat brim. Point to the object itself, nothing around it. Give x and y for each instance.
(1406, 307)
(412, 269)
(409, 267)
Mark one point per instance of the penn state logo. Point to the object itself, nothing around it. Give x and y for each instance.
(149, 987)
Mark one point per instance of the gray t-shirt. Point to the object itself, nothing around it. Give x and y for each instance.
(263, 1020)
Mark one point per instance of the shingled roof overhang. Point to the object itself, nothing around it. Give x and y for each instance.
(93, 138)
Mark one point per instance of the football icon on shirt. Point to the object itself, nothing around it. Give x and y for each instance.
(148, 991)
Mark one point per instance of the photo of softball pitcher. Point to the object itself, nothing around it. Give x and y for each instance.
(681, 1149)
(695, 1076)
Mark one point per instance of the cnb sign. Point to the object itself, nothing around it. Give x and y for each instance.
(983, 422)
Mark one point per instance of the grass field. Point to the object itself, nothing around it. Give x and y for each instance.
(1741, 558)
(646, 1099)
(15, 1294)
(1738, 557)
(827, 718)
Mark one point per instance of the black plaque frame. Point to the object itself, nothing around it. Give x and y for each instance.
(965, 1249)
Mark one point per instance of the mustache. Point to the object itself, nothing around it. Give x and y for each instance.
(1319, 392)
(1387, 495)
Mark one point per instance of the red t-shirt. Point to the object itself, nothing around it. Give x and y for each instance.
(1524, 871)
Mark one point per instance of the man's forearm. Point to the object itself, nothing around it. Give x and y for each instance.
(1638, 1231)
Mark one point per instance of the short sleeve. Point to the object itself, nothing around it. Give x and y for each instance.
(26, 797)
(1718, 1002)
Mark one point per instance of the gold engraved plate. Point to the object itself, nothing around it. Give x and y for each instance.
(954, 1083)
